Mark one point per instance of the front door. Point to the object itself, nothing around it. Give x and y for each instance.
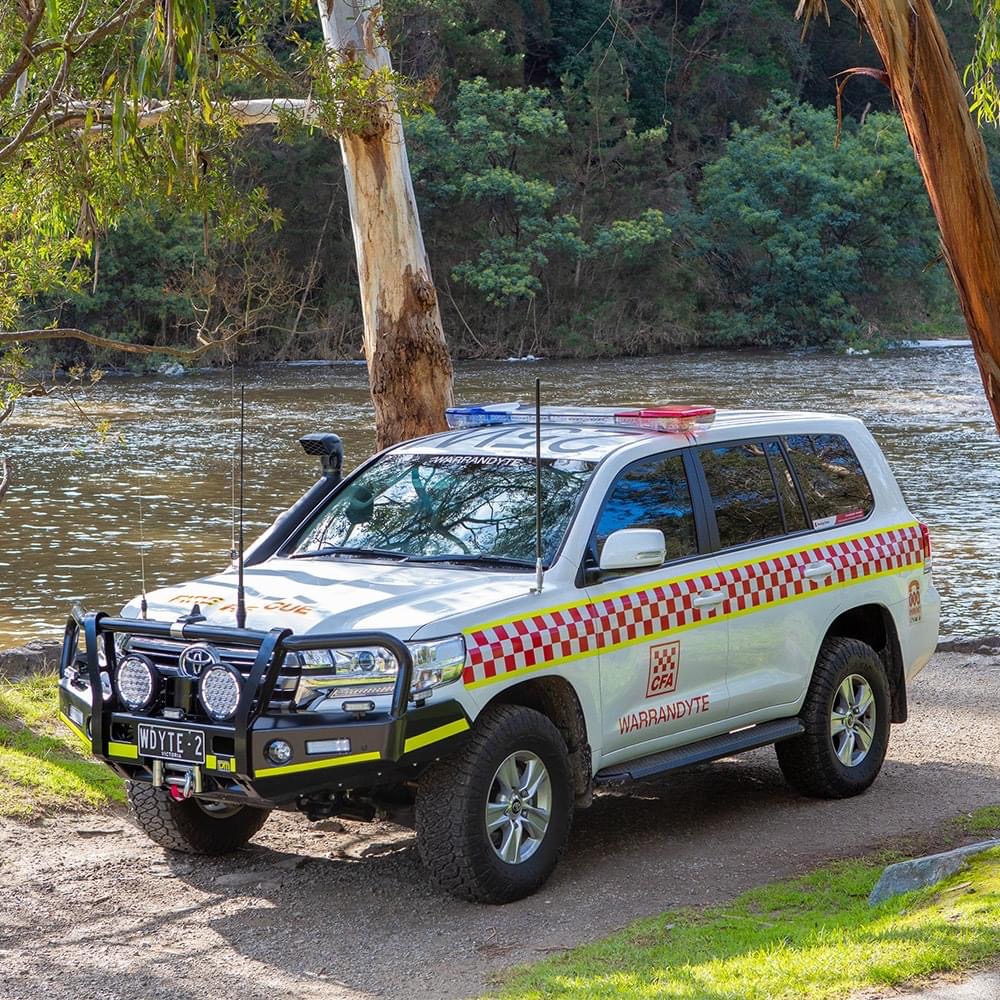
(664, 649)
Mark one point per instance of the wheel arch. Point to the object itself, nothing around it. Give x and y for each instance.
(556, 699)
(874, 625)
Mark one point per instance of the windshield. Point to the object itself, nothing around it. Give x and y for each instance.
(459, 508)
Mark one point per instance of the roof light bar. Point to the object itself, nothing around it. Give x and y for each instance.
(662, 419)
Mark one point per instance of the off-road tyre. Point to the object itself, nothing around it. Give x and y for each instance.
(451, 808)
(185, 826)
(809, 762)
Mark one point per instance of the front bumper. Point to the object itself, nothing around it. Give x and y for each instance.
(385, 748)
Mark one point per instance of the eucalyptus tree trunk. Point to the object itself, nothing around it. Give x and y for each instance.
(950, 153)
(409, 368)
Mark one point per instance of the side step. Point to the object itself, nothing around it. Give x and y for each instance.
(697, 753)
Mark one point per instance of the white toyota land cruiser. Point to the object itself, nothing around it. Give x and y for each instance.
(710, 583)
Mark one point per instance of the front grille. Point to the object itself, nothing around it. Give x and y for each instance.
(165, 654)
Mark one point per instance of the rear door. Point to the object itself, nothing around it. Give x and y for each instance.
(783, 583)
(663, 661)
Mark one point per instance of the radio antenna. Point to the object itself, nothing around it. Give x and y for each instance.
(144, 605)
(539, 561)
(241, 601)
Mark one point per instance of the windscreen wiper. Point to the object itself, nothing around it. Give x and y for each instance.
(483, 560)
(340, 550)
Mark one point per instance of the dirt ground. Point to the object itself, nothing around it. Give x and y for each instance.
(89, 909)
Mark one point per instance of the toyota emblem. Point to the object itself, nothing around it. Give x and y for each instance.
(194, 660)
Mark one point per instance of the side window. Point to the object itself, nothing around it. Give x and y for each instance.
(831, 477)
(746, 502)
(652, 493)
(791, 505)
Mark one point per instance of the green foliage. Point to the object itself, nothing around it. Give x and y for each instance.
(802, 228)
(592, 178)
(489, 168)
(45, 767)
(811, 937)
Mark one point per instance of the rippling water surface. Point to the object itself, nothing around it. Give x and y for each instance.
(70, 525)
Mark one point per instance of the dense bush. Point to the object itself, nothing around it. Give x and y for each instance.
(803, 227)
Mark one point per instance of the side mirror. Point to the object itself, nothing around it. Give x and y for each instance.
(634, 548)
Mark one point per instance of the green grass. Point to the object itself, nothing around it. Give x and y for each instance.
(43, 766)
(813, 937)
(985, 820)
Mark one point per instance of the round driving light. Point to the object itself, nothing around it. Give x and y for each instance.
(136, 680)
(219, 691)
(278, 752)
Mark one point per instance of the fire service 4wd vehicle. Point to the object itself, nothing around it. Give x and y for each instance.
(709, 583)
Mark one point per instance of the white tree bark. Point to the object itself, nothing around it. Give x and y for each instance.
(409, 368)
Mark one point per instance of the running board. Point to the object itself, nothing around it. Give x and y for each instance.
(698, 753)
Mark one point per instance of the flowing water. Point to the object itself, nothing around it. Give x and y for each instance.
(71, 527)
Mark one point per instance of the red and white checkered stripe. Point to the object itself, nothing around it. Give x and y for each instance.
(595, 625)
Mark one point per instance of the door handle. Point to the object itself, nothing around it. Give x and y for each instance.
(708, 599)
(818, 570)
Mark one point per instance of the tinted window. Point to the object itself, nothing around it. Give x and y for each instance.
(831, 477)
(746, 502)
(791, 504)
(652, 493)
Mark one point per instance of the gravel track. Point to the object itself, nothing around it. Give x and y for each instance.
(90, 909)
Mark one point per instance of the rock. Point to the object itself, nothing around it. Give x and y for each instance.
(238, 880)
(94, 831)
(170, 368)
(921, 872)
(40, 656)
(987, 645)
(292, 863)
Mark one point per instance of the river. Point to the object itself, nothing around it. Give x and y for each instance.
(70, 525)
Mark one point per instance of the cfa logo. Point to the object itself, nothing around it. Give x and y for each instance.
(916, 610)
(664, 663)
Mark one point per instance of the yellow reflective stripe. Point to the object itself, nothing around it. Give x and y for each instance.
(76, 729)
(814, 543)
(434, 735)
(129, 750)
(224, 763)
(653, 636)
(315, 765)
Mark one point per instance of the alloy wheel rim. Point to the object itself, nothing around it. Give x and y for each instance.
(518, 807)
(852, 720)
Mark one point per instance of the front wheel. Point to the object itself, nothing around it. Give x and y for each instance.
(492, 822)
(846, 715)
(191, 826)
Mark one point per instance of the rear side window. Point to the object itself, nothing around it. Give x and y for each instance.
(744, 494)
(652, 493)
(831, 478)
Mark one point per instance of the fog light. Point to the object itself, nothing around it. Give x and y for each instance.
(219, 691)
(136, 680)
(278, 752)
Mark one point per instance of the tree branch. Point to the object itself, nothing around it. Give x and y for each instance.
(6, 476)
(70, 333)
(26, 55)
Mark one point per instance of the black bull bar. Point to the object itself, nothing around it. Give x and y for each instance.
(272, 647)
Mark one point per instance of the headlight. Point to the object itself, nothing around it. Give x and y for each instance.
(345, 673)
(371, 672)
(219, 690)
(137, 681)
(437, 663)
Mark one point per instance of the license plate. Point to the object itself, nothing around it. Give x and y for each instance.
(186, 746)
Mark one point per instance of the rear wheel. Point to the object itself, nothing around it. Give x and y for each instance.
(846, 715)
(192, 826)
(492, 822)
